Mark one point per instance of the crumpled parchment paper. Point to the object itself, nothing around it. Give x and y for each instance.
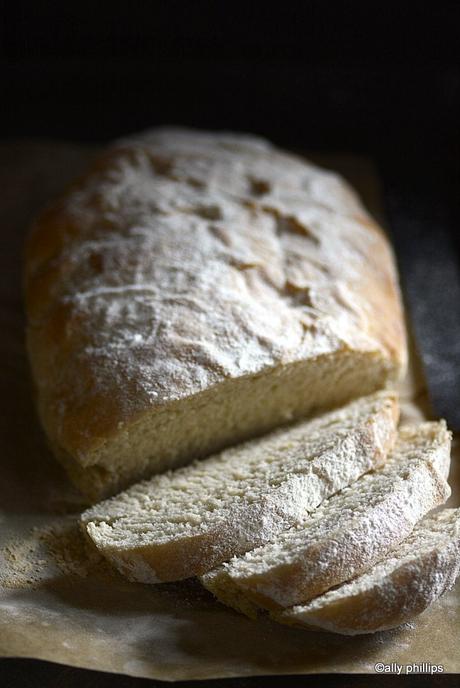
(60, 602)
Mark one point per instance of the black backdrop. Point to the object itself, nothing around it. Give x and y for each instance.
(380, 77)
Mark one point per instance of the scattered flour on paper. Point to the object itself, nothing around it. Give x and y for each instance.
(59, 549)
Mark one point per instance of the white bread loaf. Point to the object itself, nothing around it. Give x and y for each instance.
(194, 290)
(413, 576)
(185, 522)
(347, 534)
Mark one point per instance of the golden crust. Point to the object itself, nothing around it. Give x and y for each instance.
(183, 261)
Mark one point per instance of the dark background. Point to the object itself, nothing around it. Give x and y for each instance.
(380, 79)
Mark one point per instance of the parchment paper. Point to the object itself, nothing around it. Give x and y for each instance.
(60, 602)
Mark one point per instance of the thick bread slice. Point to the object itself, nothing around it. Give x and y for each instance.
(419, 571)
(195, 290)
(186, 522)
(348, 533)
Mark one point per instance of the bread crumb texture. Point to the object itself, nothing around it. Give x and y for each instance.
(181, 523)
(347, 533)
(415, 574)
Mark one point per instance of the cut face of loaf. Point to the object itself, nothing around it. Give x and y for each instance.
(194, 290)
(184, 523)
(347, 534)
(415, 574)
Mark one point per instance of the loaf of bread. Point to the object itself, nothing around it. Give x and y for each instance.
(187, 521)
(347, 534)
(395, 590)
(194, 290)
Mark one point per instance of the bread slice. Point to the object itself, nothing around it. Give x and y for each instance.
(395, 590)
(186, 522)
(194, 290)
(348, 533)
